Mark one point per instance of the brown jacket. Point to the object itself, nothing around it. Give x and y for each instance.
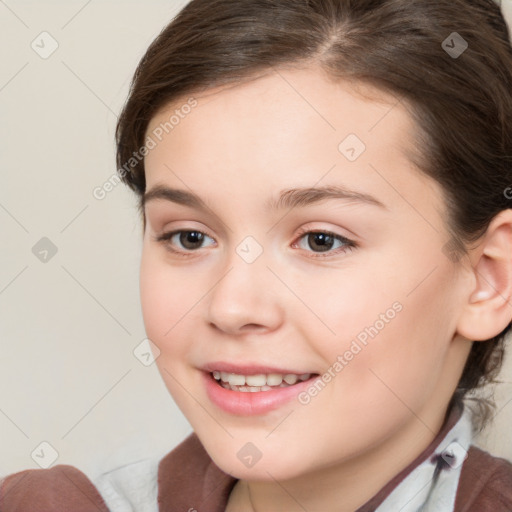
(188, 480)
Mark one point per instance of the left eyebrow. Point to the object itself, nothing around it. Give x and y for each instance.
(289, 198)
(301, 197)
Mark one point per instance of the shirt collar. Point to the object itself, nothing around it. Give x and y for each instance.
(429, 483)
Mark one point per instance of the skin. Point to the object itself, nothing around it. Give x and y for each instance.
(301, 307)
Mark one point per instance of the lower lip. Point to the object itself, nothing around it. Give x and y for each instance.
(247, 403)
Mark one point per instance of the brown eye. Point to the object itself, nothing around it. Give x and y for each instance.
(324, 242)
(321, 241)
(189, 239)
(183, 241)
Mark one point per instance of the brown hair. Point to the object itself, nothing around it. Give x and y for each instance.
(462, 105)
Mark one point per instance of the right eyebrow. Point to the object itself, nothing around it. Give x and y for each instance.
(174, 195)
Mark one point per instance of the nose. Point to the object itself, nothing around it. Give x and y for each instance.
(245, 298)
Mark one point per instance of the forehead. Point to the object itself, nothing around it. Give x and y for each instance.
(278, 106)
(288, 125)
(307, 93)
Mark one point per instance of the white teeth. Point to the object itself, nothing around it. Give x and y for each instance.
(255, 380)
(274, 379)
(260, 382)
(236, 380)
(290, 378)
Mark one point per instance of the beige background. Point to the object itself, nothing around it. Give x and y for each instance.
(68, 327)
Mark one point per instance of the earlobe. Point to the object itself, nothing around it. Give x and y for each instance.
(489, 306)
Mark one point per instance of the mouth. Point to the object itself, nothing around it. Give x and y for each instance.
(256, 391)
(258, 382)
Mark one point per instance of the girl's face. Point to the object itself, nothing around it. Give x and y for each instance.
(305, 242)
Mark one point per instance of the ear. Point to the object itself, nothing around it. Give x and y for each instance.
(489, 305)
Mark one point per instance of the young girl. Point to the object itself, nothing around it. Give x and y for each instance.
(326, 193)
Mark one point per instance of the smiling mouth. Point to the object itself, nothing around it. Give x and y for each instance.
(259, 382)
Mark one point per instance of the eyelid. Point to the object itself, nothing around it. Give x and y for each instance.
(177, 228)
(311, 229)
(167, 235)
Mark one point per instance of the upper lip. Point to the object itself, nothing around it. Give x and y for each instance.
(248, 368)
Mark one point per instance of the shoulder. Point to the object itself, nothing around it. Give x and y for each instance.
(485, 483)
(62, 487)
(131, 486)
(189, 479)
(183, 474)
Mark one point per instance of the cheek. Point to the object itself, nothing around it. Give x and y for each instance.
(391, 327)
(167, 309)
(165, 300)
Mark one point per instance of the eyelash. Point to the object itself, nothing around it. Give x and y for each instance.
(348, 247)
(349, 244)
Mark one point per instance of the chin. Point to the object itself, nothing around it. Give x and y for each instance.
(257, 460)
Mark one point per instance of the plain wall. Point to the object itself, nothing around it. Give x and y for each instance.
(69, 325)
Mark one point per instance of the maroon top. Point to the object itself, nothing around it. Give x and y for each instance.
(189, 479)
